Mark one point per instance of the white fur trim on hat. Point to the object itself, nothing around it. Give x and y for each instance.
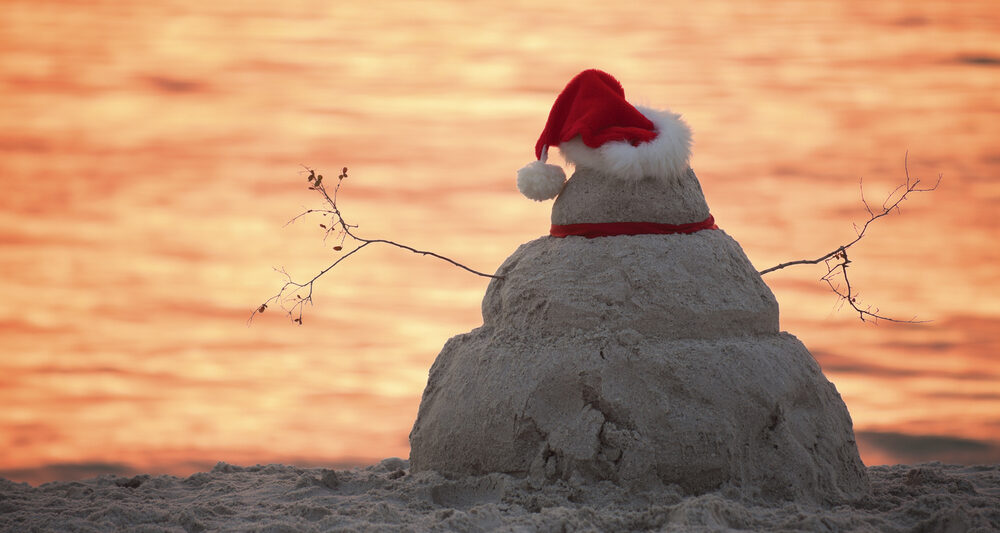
(540, 181)
(668, 155)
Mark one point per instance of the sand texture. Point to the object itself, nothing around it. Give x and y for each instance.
(387, 497)
(590, 196)
(643, 360)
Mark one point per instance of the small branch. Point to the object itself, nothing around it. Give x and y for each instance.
(837, 267)
(837, 261)
(293, 296)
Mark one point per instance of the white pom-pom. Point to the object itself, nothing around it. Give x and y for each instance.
(540, 181)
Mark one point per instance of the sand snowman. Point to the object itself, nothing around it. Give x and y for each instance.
(636, 343)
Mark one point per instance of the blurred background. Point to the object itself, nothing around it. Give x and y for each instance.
(150, 156)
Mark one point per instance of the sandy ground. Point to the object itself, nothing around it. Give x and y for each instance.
(386, 497)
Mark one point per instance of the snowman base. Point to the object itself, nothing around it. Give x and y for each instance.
(651, 359)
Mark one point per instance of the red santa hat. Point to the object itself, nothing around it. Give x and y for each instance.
(594, 127)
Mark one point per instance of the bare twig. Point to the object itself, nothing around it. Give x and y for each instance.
(837, 260)
(293, 295)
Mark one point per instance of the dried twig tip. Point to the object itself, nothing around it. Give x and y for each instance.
(837, 261)
(292, 302)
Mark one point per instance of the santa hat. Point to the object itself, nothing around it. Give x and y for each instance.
(594, 127)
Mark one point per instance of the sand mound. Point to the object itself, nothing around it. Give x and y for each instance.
(664, 366)
(387, 497)
(639, 360)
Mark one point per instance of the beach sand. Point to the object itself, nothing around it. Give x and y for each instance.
(387, 497)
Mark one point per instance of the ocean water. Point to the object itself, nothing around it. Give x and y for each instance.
(152, 153)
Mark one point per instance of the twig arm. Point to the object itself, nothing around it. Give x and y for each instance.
(836, 260)
(293, 296)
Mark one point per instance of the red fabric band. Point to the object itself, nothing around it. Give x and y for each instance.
(610, 229)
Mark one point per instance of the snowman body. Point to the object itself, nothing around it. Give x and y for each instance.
(640, 358)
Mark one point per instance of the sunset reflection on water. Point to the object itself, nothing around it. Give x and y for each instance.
(150, 156)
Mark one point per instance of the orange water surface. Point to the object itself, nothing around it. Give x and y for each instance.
(150, 156)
